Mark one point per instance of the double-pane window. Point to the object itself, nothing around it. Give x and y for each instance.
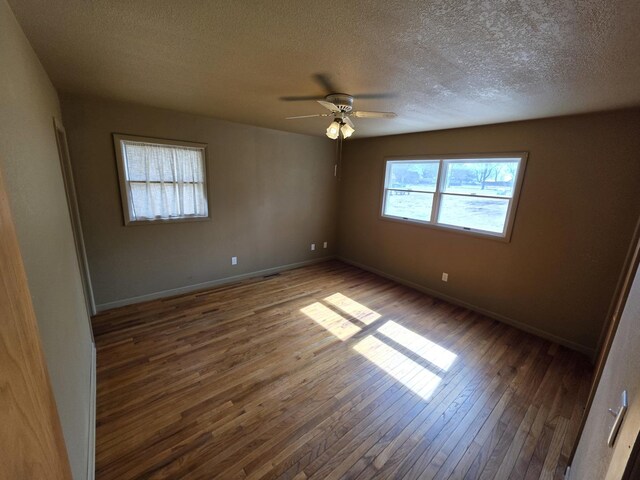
(471, 193)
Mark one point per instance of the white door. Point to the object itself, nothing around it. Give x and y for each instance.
(594, 459)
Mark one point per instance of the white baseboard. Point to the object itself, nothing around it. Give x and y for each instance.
(91, 453)
(590, 352)
(202, 286)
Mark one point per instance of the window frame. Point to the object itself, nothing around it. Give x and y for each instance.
(504, 236)
(123, 184)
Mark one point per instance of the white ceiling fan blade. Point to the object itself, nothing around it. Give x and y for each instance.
(361, 114)
(306, 116)
(328, 105)
(349, 122)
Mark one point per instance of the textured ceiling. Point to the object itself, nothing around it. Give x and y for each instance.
(445, 63)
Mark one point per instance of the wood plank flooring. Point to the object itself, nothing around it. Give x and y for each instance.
(329, 372)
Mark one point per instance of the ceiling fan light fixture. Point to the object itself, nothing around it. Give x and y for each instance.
(334, 130)
(347, 130)
(340, 106)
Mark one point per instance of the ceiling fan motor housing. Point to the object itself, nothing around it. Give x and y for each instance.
(341, 100)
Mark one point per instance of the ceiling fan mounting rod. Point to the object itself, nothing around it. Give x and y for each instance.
(341, 100)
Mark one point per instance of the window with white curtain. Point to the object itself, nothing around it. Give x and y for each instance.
(161, 180)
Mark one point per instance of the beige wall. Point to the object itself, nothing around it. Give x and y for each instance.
(577, 210)
(272, 194)
(31, 168)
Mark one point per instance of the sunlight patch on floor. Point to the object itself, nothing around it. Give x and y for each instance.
(421, 380)
(330, 320)
(410, 373)
(431, 352)
(353, 308)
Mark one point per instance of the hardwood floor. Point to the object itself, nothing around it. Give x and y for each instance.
(329, 372)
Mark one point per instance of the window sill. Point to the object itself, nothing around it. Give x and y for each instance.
(163, 221)
(455, 230)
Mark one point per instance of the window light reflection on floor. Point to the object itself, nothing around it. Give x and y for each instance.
(373, 347)
(432, 352)
(353, 308)
(327, 318)
(399, 366)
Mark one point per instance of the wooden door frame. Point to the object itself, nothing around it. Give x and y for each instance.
(31, 440)
(623, 287)
(74, 214)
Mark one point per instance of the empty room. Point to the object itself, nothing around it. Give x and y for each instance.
(319, 240)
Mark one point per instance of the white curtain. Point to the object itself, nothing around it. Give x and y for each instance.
(164, 181)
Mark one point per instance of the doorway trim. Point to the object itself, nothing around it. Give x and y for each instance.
(74, 214)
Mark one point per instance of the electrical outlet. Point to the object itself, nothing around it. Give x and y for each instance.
(234, 260)
(325, 244)
(445, 277)
(313, 246)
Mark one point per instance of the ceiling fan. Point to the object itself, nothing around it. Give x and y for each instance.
(340, 106)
